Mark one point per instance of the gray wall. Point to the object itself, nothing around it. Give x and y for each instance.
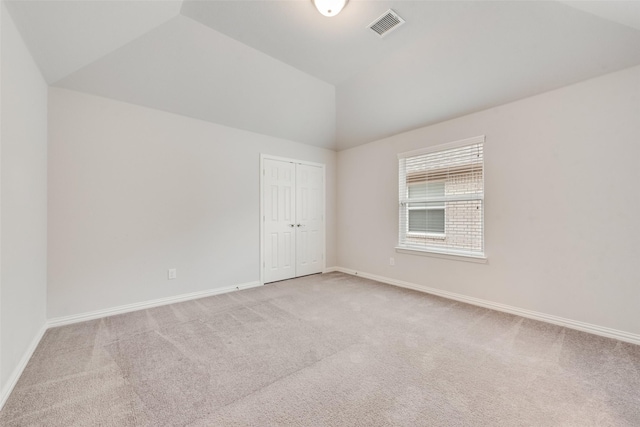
(23, 192)
(135, 191)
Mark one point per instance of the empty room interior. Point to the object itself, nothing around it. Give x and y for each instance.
(319, 213)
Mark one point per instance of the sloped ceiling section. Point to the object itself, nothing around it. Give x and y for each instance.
(625, 12)
(64, 36)
(279, 68)
(490, 54)
(187, 68)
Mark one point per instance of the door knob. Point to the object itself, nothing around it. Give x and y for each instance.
(300, 225)
(292, 225)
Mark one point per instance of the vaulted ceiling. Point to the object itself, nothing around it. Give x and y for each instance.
(282, 69)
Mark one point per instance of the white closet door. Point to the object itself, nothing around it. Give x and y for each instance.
(279, 220)
(309, 219)
(293, 219)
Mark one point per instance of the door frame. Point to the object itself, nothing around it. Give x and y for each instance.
(264, 157)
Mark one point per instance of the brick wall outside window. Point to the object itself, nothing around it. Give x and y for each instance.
(463, 219)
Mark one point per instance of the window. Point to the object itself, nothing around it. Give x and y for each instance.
(441, 196)
(425, 217)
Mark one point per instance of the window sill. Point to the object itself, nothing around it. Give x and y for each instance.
(445, 255)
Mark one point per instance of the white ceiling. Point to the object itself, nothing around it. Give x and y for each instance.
(332, 49)
(281, 69)
(493, 53)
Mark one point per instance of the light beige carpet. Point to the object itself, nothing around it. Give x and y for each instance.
(325, 350)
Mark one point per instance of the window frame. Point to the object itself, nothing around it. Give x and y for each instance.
(444, 252)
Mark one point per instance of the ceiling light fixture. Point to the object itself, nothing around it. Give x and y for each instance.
(329, 7)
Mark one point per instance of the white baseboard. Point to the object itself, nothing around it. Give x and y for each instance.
(98, 314)
(561, 321)
(330, 270)
(17, 372)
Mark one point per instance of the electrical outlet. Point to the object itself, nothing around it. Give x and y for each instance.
(392, 261)
(172, 273)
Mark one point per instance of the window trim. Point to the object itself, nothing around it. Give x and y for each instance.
(436, 252)
(445, 255)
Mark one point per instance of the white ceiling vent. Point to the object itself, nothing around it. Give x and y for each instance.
(386, 23)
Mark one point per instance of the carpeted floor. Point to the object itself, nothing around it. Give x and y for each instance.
(325, 350)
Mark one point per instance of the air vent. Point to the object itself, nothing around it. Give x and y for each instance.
(388, 22)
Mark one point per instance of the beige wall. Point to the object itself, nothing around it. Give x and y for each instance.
(135, 191)
(562, 203)
(23, 191)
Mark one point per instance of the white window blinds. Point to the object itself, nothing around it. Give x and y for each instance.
(441, 197)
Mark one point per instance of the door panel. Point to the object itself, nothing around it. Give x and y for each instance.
(279, 216)
(309, 219)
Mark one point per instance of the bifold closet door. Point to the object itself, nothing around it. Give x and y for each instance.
(279, 220)
(309, 219)
(293, 223)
